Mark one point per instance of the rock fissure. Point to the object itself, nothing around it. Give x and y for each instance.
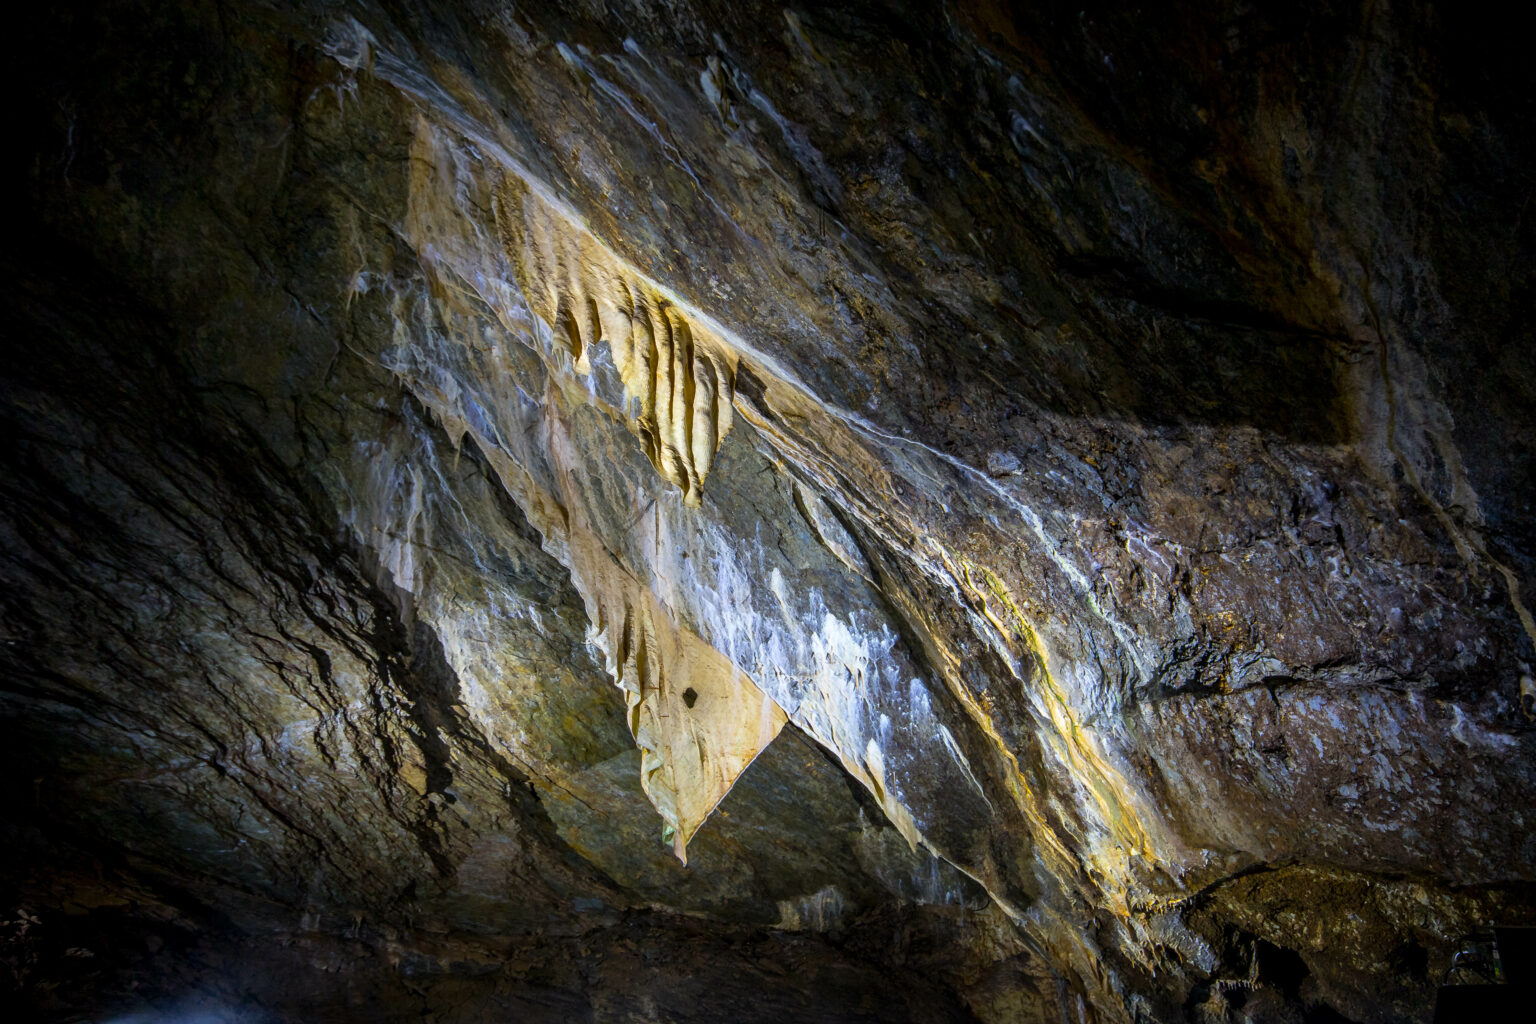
(691, 511)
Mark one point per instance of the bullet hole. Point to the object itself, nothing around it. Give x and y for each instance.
(690, 696)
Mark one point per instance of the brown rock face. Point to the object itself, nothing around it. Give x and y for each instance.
(694, 511)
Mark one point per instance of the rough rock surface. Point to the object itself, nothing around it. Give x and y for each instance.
(690, 511)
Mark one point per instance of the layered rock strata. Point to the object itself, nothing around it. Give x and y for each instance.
(1036, 494)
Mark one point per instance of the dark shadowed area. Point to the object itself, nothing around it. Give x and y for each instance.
(686, 511)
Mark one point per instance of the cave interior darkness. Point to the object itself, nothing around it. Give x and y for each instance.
(707, 510)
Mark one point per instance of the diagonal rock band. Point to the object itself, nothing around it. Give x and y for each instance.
(681, 512)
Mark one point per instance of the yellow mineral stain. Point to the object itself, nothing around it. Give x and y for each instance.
(1106, 791)
(698, 720)
(678, 375)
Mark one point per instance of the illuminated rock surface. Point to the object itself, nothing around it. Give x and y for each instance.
(694, 511)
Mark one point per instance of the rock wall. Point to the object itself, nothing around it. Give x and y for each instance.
(891, 511)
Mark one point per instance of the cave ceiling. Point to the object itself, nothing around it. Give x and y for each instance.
(691, 510)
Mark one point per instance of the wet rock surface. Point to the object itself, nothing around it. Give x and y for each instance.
(697, 511)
